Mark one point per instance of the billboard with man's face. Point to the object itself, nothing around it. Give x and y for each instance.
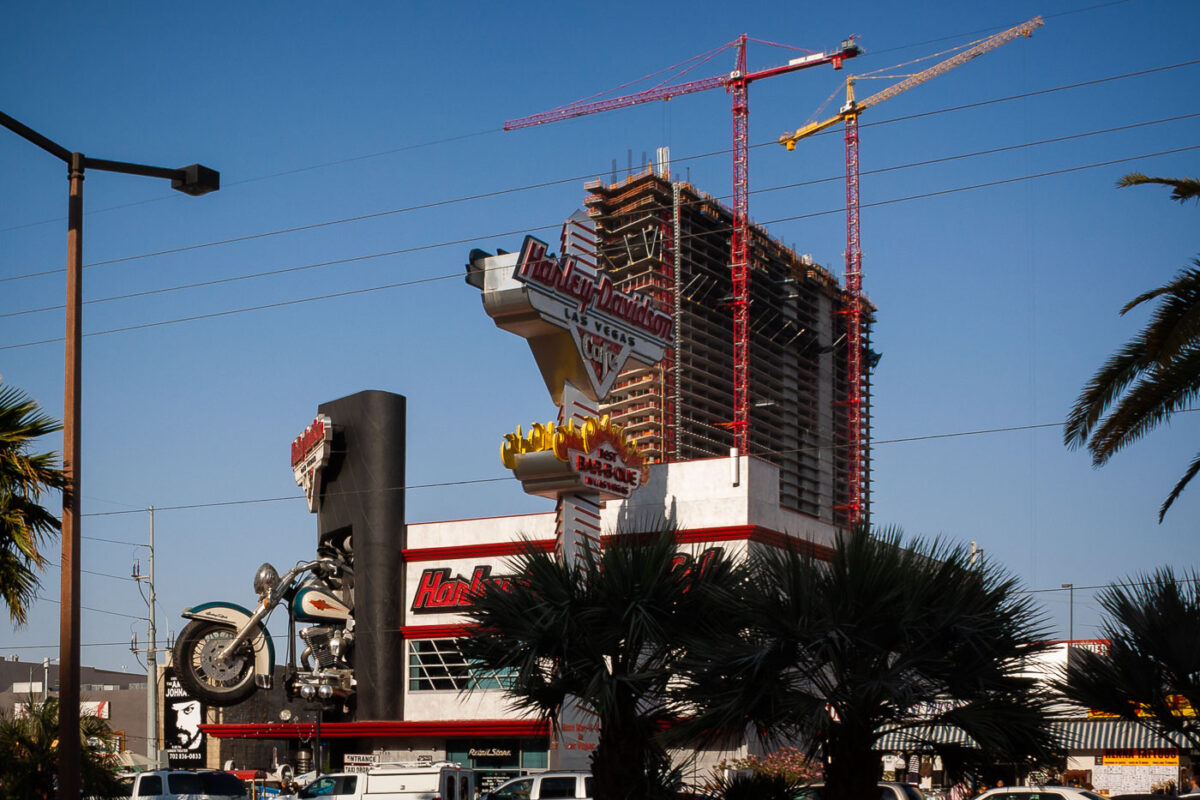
(182, 716)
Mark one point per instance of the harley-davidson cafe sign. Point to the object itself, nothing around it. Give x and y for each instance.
(608, 325)
(580, 326)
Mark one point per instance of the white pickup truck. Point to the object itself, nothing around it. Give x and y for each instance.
(438, 781)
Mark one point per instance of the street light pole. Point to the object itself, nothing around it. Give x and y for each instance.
(1070, 613)
(194, 180)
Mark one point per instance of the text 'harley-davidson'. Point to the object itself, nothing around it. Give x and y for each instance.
(225, 653)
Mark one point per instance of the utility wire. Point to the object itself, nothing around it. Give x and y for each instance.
(96, 610)
(471, 481)
(651, 208)
(399, 284)
(461, 137)
(556, 182)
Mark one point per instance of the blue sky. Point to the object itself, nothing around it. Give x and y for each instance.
(365, 128)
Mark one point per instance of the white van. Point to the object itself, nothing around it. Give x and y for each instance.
(438, 781)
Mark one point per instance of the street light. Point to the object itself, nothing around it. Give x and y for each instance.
(193, 180)
(1070, 614)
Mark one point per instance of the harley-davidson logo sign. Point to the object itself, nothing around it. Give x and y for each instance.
(583, 329)
(439, 591)
(607, 324)
(310, 455)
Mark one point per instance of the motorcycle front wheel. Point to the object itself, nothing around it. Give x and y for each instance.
(206, 674)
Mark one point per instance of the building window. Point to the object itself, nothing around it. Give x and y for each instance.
(438, 664)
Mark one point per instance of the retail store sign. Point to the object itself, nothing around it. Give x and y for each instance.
(1142, 758)
(182, 716)
(311, 451)
(1176, 703)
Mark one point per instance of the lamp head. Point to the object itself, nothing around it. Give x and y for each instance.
(197, 180)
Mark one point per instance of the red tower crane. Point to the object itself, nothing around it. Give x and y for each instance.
(737, 84)
(856, 436)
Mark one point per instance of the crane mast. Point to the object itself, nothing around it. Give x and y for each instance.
(857, 439)
(737, 84)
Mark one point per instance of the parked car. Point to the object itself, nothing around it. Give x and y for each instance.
(887, 791)
(180, 784)
(1039, 793)
(545, 786)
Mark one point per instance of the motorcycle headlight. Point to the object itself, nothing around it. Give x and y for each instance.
(265, 580)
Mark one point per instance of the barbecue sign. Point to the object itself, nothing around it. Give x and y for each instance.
(595, 456)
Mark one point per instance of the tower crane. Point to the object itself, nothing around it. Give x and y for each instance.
(737, 84)
(856, 440)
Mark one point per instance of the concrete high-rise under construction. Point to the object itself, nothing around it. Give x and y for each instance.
(672, 242)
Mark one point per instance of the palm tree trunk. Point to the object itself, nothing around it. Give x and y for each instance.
(852, 768)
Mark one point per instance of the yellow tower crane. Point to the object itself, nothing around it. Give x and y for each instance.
(854, 504)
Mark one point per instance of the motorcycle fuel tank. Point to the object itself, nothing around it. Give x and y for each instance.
(314, 604)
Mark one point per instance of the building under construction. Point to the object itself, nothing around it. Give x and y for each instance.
(668, 240)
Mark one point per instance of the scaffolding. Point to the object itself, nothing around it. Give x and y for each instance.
(672, 242)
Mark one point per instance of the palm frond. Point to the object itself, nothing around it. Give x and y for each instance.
(1152, 624)
(1181, 188)
(1162, 391)
(1192, 469)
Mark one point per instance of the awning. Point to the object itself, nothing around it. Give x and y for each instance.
(920, 737)
(1081, 734)
(1109, 734)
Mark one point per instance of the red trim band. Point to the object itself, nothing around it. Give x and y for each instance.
(435, 631)
(752, 533)
(521, 728)
(488, 550)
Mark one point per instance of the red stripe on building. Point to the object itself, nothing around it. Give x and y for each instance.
(487, 550)
(524, 728)
(435, 631)
(733, 533)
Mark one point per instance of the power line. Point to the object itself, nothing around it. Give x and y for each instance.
(560, 181)
(799, 184)
(432, 279)
(189, 506)
(96, 610)
(460, 137)
(993, 29)
(472, 481)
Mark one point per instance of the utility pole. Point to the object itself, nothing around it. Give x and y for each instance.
(151, 650)
(152, 665)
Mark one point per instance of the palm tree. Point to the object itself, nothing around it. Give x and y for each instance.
(604, 632)
(1152, 624)
(878, 639)
(29, 754)
(1155, 374)
(24, 524)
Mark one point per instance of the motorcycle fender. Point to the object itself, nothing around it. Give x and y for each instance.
(260, 640)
